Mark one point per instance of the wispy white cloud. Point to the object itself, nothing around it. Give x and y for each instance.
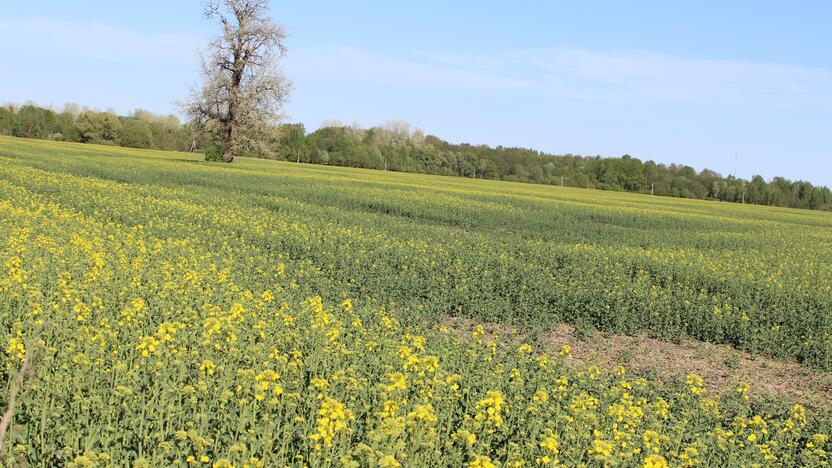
(559, 71)
(582, 74)
(96, 41)
(344, 61)
(565, 72)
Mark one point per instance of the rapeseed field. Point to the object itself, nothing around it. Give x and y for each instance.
(156, 310)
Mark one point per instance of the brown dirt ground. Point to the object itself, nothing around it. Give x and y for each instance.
(721, 366)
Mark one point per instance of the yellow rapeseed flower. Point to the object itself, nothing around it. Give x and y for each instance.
(398, 381)
(550, 443)
(601, 449)
(481, 461)
(333, 418)
(490, 408)
(15, 349)
(388, 461)
(655, 461)
(147, 346)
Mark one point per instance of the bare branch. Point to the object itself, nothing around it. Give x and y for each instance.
(243, 89)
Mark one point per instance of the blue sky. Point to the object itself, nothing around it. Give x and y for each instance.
(688, 82)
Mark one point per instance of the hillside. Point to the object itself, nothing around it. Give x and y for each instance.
(275, 313)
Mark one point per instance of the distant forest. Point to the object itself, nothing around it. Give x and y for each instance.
(397, 147)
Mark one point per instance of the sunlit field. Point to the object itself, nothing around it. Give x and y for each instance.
(156, 309)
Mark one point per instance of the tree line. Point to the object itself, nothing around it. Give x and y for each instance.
(396, 146)
(141, 129)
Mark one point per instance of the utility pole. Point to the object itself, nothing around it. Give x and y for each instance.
(561, 180)
(743, 192)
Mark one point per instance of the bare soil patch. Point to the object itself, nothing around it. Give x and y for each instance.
(722, 366)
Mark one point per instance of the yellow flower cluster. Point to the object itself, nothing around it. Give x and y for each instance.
(15, 349)
(332, 419)
(490, 408)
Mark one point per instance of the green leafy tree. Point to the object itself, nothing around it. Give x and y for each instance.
(135, 133)
(35, 122)
(68, 127)
(292, 143)
(7, 121)
(98, 127)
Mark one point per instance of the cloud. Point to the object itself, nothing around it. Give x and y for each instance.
(344, 61)
(93, 40)
(577, 73)
(624, 76)
(639, 74)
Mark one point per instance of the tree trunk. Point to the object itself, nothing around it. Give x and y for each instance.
(228, 148)
(231, 118)
(227, 155)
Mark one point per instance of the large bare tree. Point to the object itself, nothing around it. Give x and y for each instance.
(241, 96)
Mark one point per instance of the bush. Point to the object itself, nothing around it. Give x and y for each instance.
(213, 153)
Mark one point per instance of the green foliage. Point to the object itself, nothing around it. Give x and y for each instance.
(34, 122)
(135, 133)
(7, 121)
(142, 129)
(213, 153)
(292, 144)
(381, 148)
(167, 132)
(67, 126)
(98, 127)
